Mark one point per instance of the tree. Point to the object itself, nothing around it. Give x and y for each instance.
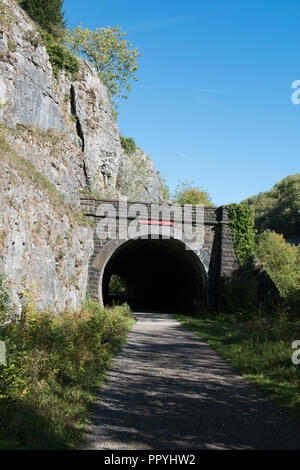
(281, 260)
(279, 208)
(188, 192)
(48, 14)
(111, 54)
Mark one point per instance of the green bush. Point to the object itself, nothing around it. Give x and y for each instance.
(55, 365)
(61, 58)
(128, 144)
(282, 261)
(47, 13)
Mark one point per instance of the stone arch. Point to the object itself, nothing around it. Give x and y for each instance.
(193, 261)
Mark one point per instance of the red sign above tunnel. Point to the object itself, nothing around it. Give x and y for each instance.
(155, 222)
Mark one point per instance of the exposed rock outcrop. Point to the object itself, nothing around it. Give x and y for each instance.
(80, 110)
(44, 244)
(63, 139)
(137, 178)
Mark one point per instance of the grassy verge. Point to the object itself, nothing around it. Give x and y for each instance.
(260, 349)
(54, 368)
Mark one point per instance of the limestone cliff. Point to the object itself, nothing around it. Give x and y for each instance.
(44, 243)
(58, 137)
(80, 111)
(137, 178)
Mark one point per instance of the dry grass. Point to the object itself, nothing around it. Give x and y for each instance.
(31, 176)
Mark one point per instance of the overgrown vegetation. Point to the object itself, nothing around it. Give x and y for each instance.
(107, 49)
(187, 192)
(279, 208)
(61, 58)
(259, 348)
(112, 55)
(242, 225)
(128, 144)
(6, 306)
(282, 262)
(241, 291)
(47, 14)
(55, 365)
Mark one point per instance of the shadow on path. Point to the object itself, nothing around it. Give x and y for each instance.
(169, 390)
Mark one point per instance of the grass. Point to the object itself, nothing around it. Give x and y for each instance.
(55, 365)
(259, 348)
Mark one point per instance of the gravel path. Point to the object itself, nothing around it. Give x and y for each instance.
(168, 389)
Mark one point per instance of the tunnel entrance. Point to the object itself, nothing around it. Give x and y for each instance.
(157, 275)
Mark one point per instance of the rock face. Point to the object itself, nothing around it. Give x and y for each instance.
(54, 155)
(64, 133)
(137, 178)
(80, 110)
(43, 247)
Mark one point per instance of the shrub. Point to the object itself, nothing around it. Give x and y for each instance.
(282, 261)
(60, 57)
(47, 13)
(55, 365)
(128, 144)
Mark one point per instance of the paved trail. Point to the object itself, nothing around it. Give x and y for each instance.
(169, 390)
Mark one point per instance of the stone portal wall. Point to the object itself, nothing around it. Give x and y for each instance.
(217, 254)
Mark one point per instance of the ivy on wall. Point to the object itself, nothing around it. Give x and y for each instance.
(242, 224)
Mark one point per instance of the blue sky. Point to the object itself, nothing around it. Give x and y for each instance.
(213, 101)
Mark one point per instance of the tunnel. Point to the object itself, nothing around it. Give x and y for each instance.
(157, 275)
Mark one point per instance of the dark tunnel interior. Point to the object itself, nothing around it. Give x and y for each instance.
(160, 275)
